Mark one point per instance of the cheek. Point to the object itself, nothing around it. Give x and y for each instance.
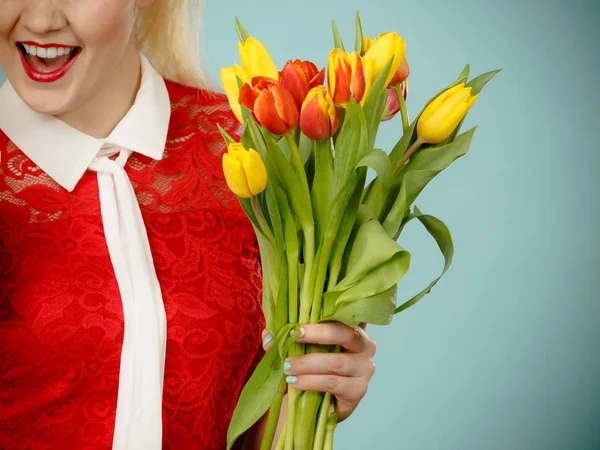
(103, 24)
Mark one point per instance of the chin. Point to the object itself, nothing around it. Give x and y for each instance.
(50, 102)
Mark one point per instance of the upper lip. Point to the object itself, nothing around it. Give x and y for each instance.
(37, 44)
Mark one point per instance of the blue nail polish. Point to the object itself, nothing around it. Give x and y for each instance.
(291, 379)
(267, 340)
(287, 366)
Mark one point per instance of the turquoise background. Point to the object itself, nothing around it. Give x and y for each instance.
(504, 353)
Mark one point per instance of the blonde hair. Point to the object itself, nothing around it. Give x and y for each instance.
(168, 33)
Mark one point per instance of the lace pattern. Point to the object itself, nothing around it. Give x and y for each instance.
(61, 324)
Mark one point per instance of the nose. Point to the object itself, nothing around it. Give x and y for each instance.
(43, 16)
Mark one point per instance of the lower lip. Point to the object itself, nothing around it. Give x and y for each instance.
(49, 77)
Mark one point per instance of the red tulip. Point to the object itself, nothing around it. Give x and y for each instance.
(392, 105)
(319, 118)
(299, 77)
(347, 77)
(271, 104)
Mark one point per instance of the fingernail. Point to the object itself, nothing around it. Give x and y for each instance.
(267, 340)
(291, 379)
(301, 335)
(287, 366)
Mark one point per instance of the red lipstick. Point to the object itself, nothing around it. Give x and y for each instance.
(46, 77)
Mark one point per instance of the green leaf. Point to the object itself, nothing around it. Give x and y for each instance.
(350, 145)
(344, 232)
(442, 236)
(464, 75)
(422, 168)
(375, 104)
(337, 40)
(228, 139)
(281, 302)
(298, 197)
(322, 186)
(379, 161)
(270, 264)
(377, 281)
(241, 31)
(377, 310)
(371, 248)
(261, 388)
(274, 216)
(358, 45)
(305, 147)
(477, 83)
(246, 205)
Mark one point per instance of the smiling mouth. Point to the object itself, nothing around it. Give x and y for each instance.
(47, 60)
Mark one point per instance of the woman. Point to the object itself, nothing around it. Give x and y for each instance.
(129, 277)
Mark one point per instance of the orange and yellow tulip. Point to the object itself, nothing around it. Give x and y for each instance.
(319, 118)
(273, 106)
(299, 77)
(347, 77)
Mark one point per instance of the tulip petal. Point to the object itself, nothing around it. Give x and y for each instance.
(256, 172)
(358, 82)
(314, 121)
(294, 80)
(267, 115)
(286, 106)
(235, 177)
(230, 84)
(256, 60)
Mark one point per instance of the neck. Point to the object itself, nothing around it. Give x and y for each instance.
(102, 112)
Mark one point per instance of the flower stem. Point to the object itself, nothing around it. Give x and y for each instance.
(308, 229)
(281, 440)
(292, 396)
(403, 112)
(273, 417)
(330, 429)
(262, 220)
(324, 414)
(413, 148)
(291, 244)
(322, 422)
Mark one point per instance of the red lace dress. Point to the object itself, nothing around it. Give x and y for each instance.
(61, 318)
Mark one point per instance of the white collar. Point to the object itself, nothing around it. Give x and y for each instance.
(65, 153)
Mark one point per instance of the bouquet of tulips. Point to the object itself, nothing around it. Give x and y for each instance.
(327, 238)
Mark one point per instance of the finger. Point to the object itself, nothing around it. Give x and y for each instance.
(354, 340)
(347, 389)
(343, 364)
(267, 339)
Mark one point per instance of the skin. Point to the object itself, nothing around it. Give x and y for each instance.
(95, 95)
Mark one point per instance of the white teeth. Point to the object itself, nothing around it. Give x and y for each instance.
(51, 52)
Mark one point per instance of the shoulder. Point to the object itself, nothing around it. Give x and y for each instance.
(195, 146)
(197, 112)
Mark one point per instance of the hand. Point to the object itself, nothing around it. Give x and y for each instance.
(345, 375)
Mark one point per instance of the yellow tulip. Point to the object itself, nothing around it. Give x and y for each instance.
(380, 51)
(442, 115)
(229, 76)
(244, 170)
(256, 62)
